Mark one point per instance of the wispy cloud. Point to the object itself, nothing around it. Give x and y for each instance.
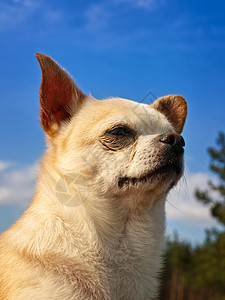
(3, 165)
(17, 12)
(144, 4)
(183, 206)
(54, 16)
(17, 184)
(97, 17)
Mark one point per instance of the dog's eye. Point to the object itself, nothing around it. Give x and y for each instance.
(118, 138)
(121, 131)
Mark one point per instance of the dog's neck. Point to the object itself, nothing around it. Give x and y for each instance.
(106, 219)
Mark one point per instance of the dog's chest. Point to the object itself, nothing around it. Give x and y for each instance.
(123, 271)
(131, 268)
(121, 267)
(126, 267)
(127, 274)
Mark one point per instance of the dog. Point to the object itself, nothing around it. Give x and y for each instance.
(95, 229)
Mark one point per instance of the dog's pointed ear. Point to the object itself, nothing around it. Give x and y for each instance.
(174, 108)
(60, 98)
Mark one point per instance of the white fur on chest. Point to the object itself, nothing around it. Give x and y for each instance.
(121, 265)
(125, 265)
(135, 264)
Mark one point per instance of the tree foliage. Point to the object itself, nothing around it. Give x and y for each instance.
(195, 273)
(198, 272)
(217, 166)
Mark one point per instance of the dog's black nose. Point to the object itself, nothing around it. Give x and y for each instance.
(175, 140)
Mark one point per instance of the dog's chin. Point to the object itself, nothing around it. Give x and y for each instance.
(165, 176)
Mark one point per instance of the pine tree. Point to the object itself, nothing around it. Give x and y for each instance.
(209, 263)
(217, 166)
(198, 272)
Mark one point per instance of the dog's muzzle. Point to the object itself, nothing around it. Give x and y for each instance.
(170, 149)
(174, 140)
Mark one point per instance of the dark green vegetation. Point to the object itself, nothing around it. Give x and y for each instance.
(198, 272)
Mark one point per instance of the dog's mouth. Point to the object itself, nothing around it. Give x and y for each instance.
(172, 169)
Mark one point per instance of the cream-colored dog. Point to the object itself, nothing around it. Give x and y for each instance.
(95, 228)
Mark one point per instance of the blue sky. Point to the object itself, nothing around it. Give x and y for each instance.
(120, 48)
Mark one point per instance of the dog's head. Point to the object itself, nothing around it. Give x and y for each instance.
(115, 146)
